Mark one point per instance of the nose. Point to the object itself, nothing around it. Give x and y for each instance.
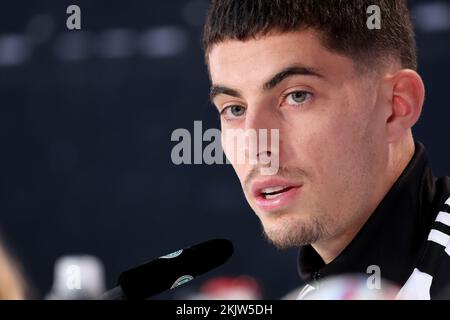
(262, 126)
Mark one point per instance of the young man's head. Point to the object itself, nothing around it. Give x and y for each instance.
(343, 96)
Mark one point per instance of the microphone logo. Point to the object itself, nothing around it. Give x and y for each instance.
(172, 255)
(182, 280)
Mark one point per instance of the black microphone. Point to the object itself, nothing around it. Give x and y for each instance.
(170, 271)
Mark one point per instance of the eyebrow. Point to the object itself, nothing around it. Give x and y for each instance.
(290, 72)
(269, 85)
(218, 90)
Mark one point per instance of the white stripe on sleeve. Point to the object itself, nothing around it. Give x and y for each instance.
(439, 237)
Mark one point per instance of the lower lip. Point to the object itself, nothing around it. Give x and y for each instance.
(280, 202)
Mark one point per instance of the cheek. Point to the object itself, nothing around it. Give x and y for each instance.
(235, 155)
(344, 153)
(325, 144)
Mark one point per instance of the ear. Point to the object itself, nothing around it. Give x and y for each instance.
(406, 102)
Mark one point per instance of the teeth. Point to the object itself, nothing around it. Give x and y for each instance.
(272, 189)
(271, 196)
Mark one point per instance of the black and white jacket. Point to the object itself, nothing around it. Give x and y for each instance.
(407, 236)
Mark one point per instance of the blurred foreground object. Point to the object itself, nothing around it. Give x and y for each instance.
(229, 288)
(79, 277)
(350, 287)
(12, 285)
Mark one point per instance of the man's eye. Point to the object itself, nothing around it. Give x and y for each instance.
(233, 111)
(298, 97)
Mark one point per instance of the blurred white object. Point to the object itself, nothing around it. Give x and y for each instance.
(349, 287)
(80, 277)
(417, 287)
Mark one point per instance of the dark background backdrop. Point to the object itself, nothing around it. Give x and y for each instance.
(85, 125)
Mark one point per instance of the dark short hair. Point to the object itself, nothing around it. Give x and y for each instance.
(342, 25)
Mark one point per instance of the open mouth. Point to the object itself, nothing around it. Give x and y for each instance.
(274, 192)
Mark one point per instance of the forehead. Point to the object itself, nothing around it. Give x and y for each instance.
(260, 58)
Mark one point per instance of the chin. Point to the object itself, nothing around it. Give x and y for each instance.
(286, 231)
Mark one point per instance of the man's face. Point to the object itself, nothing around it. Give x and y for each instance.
(330, 129)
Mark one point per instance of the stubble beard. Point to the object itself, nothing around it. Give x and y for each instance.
(294, 232)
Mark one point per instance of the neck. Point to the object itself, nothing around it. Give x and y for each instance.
(399, 155)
